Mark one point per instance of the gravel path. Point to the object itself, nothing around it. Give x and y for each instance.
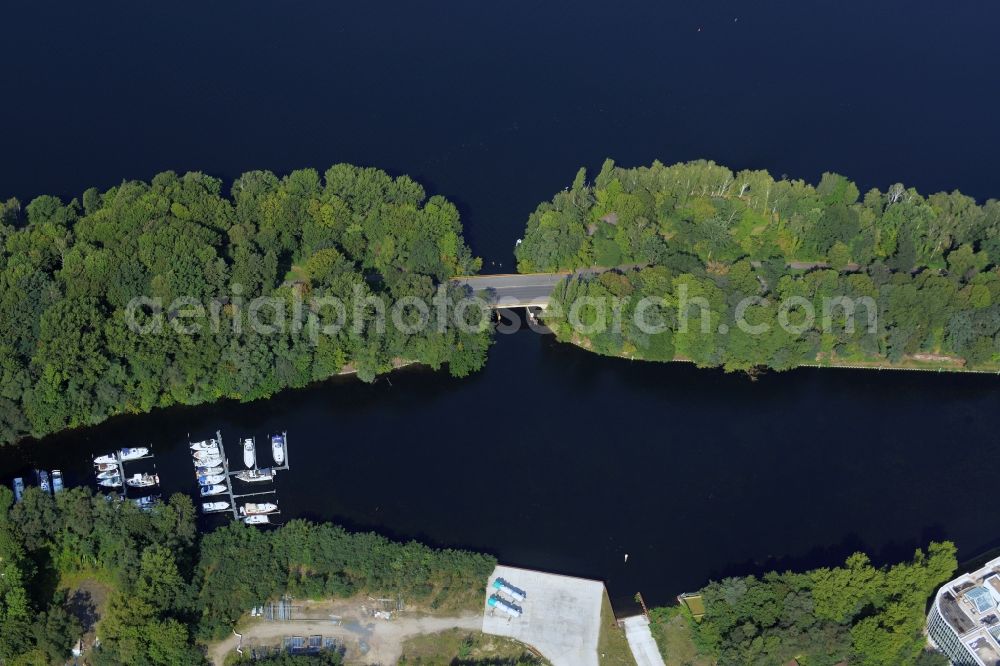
(384, 637)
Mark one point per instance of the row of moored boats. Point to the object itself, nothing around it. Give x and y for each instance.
(211, 474)
(110, 472)
(51, 484)
(209, 470)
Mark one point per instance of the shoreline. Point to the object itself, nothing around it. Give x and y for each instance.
(842, 365)
(346, 372)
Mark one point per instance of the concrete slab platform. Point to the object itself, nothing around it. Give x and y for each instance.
(641, 642)
(561, 615)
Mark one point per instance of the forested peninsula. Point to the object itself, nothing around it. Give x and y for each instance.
(68, 272)
(928, 263)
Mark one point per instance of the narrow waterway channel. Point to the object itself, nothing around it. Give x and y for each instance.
(558, 459)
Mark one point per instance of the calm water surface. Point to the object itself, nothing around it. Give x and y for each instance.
(552, 457)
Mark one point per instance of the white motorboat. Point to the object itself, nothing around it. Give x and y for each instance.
(18, 489)
(257, 475)
(114, 482)
(216, 489)
(212, 507)
(252, 509)
(106, 467)
(105, 460)
(207, 445)
(257, 519)
(57, 481)
(278, 449)
(133, 454)
(211, 479)
(204, 458)
(200, 471)
(249, 453)
(143, 480)
(110, 474)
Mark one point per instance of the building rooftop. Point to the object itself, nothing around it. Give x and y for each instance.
(971, 605)
(954, 614)
(986, 650)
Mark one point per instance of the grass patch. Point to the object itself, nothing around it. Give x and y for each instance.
(612, 646)
(461, 647)
(296, 274)
(87, 595)
(673, 632)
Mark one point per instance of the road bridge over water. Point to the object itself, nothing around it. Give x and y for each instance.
(523, 290)
(528, 290)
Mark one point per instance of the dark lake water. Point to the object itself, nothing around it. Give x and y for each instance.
(552, 457)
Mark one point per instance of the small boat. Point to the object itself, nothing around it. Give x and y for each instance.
(202, 457)
(249, 455)
(143, 480)
(251, 509)
(211, 479)
(146, 503)
(106, 459)
(18, 489)
(110, 474)
(497, 602)
(207, 445)
(257, 475)
(57, 481)
(256, 519)
(278, 449)
(113, 482)
(515, 593)
(43, 480)
(217, 489)
(134, 454)
(211, 463)
(212, 507)
(199, 471)
(106, 467)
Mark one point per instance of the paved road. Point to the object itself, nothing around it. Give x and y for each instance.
(523, 289)
(515, 290)
(640, 640)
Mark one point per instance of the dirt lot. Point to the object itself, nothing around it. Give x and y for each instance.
(86, 599)
(463, 646)
(384, 638)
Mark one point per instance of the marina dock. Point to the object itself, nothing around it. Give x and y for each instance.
(231, 477)
(120, 463)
